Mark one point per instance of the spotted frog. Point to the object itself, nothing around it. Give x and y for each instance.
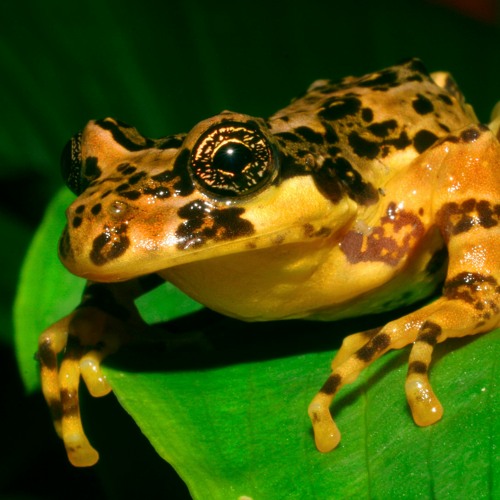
(360, 196)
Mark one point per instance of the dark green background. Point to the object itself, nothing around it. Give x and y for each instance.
(163, 67)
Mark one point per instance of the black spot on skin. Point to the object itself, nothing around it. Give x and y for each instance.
(382, 129)
(122, 187)
(363, 147)
(429, 333)
(203, 224)
(385, 78)
(417, 65)
(96, 209)
(69, 401)
(310, 135)
(401, 142)
(55, 408)
(76, 222)
(322, 232)
(290, 167)
(367, 114)
(331, 136)
(456, 218)
(379, 245)
(333, 151)
(422, 105)
(337, 108)
(126, 169)
(446, 99)
(80, 209)
(337, 176)
(451, 138)
(358, 190)
(136, 178)
(328, 182)
(451, 86)
(444, 127)
(374, 346)
(109, 245)
(174, 179)
(466, 286)
(131, 195)
(117, 131)
(47, 355)
(332, 384)
(470, 135)
(173, 142)
(415, 78)
(288, 136)
(158, 192)
(423, 140)
(165, 176)
(255, 124)
(417, 367)
(91, 170)
(308, 230)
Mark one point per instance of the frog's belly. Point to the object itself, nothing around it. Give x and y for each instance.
(297, 281)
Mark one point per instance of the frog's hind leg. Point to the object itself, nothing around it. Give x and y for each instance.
(471, 305)
(434, 323)
(469, 221)
(352, 361)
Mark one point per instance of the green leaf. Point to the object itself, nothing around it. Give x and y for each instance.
(229, 411)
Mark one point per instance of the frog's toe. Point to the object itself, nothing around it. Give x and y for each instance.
(326, 432)
(425, 406)
(80, 451)
(90, 367)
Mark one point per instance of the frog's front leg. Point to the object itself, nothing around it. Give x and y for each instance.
(465, 209)
(105, 319)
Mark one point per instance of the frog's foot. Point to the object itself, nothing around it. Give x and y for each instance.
(424, 404)
(84, 339)
(455, 315)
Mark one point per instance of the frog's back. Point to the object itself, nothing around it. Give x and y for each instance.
(374, 123)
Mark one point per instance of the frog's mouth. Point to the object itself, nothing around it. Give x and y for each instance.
(143, 239)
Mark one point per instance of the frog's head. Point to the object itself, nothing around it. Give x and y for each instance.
(145, 205)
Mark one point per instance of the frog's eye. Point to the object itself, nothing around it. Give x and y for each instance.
(76, 177)
(232, 159)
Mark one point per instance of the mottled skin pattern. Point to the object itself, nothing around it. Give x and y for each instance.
(361, 195)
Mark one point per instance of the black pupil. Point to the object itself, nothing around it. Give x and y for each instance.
(232, 158)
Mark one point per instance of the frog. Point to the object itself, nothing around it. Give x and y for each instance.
(363, 195)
